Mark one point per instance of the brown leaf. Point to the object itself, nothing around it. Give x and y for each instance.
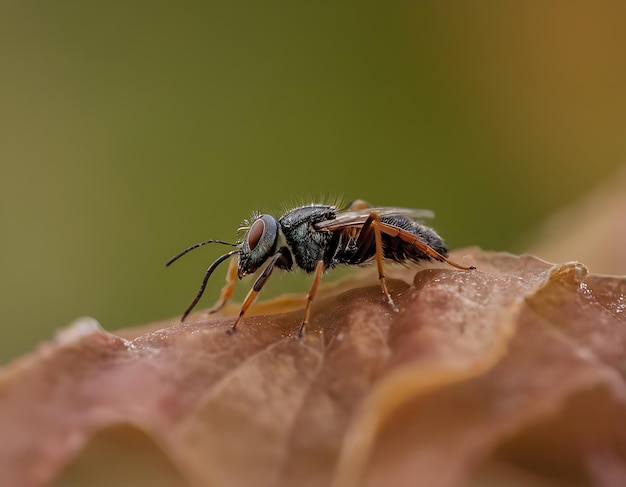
(511, 373)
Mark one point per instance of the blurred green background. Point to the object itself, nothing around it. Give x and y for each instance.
(129, 130)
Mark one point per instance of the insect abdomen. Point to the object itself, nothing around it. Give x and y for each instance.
(399, 250)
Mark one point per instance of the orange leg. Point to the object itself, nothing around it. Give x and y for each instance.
(254, 292)
(319, 270)
(374, 220)
(229, 287)
(244, 307)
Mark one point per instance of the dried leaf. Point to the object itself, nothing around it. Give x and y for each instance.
(509, 375)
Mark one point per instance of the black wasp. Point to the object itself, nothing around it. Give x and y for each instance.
(318, 237)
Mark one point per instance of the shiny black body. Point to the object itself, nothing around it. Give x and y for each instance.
(309, 245)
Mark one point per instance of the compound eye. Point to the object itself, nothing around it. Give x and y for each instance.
(255, 233)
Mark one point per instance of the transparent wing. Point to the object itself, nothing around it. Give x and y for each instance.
(356, 218)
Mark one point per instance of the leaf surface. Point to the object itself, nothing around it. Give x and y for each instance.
(511, 373)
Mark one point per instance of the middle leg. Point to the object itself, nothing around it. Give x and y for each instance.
(319, 270)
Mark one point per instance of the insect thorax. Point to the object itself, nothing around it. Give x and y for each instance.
(307, 245)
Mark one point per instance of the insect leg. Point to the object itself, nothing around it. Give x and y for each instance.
(229, 287)
(256, 289)
(319, 269)
(374, 221)
(421, 246)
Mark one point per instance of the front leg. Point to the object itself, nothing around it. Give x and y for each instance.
(256, 289)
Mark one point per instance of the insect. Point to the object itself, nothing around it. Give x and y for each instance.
(319, 237)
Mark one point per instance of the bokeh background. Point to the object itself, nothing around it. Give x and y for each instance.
(129, 130)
